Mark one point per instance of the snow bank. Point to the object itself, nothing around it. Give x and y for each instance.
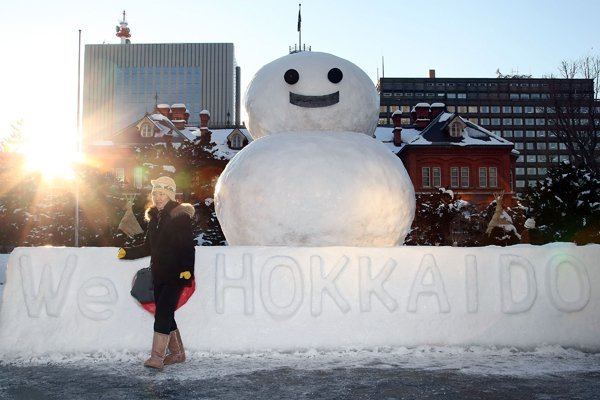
(3, 263)
(68, 300)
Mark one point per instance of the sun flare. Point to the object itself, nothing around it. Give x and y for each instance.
(53, 159)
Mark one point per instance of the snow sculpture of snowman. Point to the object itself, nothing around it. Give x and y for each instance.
(314, 175)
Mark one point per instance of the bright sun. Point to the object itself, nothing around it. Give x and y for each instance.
(54, 159)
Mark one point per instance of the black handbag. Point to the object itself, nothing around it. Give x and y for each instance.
(142, 287)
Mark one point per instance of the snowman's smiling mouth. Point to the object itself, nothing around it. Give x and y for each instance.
(314, 101)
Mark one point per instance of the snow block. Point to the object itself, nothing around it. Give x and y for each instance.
(68, 300)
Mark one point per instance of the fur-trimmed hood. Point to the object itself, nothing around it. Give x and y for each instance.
(173, 208)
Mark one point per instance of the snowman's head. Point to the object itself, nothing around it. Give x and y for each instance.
(311, 91)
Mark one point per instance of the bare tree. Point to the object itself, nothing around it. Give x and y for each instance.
(573, 101)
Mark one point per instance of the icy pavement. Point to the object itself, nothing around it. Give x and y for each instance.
(418, 373)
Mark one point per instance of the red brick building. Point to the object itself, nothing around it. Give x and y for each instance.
(443, 150)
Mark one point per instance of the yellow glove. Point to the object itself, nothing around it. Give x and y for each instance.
(185, 275)
(121, 253)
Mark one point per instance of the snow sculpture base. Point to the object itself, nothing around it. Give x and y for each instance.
(67, 300)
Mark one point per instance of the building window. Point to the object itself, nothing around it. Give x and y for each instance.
(431, 177)
(507, 109)
(455, 130)
(488, 177)
(472, 109)
(437, 177)
(493, 175)
(425, 177)
(236, 142)
(482, 177)
(464, 177)
(484, 109)
(146, 130)
(495, 109)
(454, 177)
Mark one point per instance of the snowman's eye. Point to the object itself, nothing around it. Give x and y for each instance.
(335, 75)
(291, 76)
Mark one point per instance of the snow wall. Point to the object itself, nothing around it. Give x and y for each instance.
(70, 300)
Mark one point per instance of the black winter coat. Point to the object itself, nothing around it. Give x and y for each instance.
(169, 242)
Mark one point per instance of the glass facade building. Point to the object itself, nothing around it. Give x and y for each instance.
(520, 109)
(122, 82)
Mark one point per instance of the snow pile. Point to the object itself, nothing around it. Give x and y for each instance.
(311, 91)
(3, 264)
(315, 189)
(71, 300)
(314, 176)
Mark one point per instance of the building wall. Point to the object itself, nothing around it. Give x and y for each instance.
(516, 108)
(123, 81)
(446, 157)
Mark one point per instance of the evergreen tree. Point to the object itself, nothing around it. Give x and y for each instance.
(441, 219)
(566, 205)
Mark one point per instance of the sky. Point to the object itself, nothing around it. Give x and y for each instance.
(395, 38)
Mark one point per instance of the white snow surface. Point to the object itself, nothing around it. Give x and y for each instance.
(3, 264)
(315, 189)
(269, 105)
(64, 301)
(314, 175)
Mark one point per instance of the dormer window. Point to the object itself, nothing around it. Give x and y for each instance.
(455, 130)
(456, 127)
(236, 142)
(146, 131)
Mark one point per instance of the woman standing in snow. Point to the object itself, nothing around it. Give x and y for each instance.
(170, 244)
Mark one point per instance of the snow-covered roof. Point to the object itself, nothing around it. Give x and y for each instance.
(436, 134)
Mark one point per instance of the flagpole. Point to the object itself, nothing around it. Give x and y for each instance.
(299, 29)
(76, 240)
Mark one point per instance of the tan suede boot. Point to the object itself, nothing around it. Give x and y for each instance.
(176, 351)
(160, 341)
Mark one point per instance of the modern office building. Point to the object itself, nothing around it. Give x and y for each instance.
(520, 109)
(124, 81)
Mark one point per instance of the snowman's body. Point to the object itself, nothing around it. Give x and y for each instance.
(314, 176)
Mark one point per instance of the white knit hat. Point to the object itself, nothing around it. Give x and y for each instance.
(165, 185)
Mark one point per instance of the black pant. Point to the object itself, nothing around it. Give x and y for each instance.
(166, 298)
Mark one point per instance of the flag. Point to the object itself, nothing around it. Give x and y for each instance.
(299, 20)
